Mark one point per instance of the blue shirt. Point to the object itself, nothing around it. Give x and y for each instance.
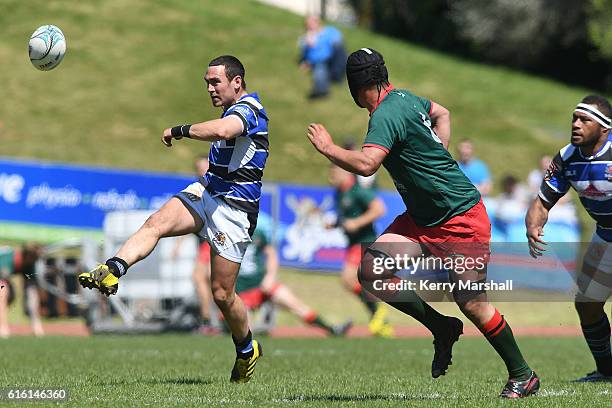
(323, 47)
(476, 171)
(591, 177)
(236, 165)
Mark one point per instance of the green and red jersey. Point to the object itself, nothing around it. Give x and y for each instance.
(352, 203)
(426, 176)
(253, 265)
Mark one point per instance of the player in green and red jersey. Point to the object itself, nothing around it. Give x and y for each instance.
(445, 215)
(358, 208)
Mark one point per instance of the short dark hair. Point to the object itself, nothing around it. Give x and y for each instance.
(233, 67)
(602, 103)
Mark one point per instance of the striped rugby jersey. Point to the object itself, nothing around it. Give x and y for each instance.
(236, 165)
(591, 177)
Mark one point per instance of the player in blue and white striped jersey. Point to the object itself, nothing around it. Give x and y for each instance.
(221, 207)
(586, 166)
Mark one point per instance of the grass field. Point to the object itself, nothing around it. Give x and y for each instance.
(134, 68)
(193, 371)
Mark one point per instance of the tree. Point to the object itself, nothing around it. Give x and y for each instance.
(600, 26)
(522, 33)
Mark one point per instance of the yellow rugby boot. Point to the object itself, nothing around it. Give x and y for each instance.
(245, 367)
(100, 278)
(378, 325)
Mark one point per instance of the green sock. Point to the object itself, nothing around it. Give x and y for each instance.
(500, 335)
(314, 319)
(322, 324)
(416, 307)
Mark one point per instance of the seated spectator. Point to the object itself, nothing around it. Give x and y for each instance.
(323, 54)
(476, 170)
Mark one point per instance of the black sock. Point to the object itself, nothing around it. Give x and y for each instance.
(597, 336)
(244, 347)
(118, 266)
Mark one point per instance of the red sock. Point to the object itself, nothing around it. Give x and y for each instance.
(494, 326)
(310, 317)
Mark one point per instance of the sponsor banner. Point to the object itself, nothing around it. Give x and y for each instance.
(50, 202)
(306, 238)
(75, 196)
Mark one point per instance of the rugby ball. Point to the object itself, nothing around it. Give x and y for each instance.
(47, 47)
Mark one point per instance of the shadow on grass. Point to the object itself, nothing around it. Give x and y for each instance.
(180, 381)
(158, 381)
(352, 398)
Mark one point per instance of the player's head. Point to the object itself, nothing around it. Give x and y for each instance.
(365, 69)
(591, 121)
(225, 80)
(201, 165)
(340, 178)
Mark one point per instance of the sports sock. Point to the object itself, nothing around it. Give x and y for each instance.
(414, 306)
(499, 334)
(365, 298)
(597, 336)
(118, 266)
(244, 347)
(313, 319)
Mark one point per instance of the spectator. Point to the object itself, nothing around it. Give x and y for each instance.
(511, 204)
(323, 54)
(476, 170)
(30, 254)
(534, 179)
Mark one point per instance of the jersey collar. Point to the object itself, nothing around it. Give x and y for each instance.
(601, 150)
(383, 95)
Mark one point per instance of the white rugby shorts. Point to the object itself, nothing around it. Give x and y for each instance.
(227, 229)
(594, 280)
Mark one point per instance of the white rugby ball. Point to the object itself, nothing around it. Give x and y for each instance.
(47, 47)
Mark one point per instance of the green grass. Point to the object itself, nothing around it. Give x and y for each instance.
(133, 68)
(193, 371)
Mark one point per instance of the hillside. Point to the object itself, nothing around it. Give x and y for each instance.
(133, 68)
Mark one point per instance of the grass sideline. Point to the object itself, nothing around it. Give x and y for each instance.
(170, 370)
(134, 68)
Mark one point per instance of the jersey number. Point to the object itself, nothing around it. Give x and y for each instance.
(427, 122)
